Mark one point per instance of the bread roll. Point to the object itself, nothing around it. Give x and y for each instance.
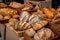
(16, 5)
(7, 17)
(12, 22)
(15, 16)
(30, 32)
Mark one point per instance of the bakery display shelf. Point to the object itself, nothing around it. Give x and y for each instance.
(12, 34)
(15, 31)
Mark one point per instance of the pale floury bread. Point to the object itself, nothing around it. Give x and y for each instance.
(22, 25)
(24, 16)
(34, 18)
(44, 34)
(12, 22)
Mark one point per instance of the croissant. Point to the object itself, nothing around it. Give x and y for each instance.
(22, 25)
(39, 25)
(34, 18)
(44, 34)
(24, 16)
(30, 32)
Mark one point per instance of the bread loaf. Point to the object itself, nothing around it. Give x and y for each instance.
(44, 34)
(22, 25)
(30, 32)
(34, 18)
(40, 24)
(16, 5)
(24, 16)
(12, 22)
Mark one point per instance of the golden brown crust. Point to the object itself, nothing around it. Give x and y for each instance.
(44, 34)
(7, 17)
(39, 25)
(27, 7)
(30, 32)
(16, 16)
(48, 13)
(16, 5)
(22, 26)
(2, 5)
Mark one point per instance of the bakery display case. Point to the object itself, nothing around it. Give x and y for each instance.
(32, 20)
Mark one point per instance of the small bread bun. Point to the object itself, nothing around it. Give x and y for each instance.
(7, 17)
(15, 16)
(30, 32)
(12, 22)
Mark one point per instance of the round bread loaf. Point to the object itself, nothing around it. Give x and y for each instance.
(44, 34)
